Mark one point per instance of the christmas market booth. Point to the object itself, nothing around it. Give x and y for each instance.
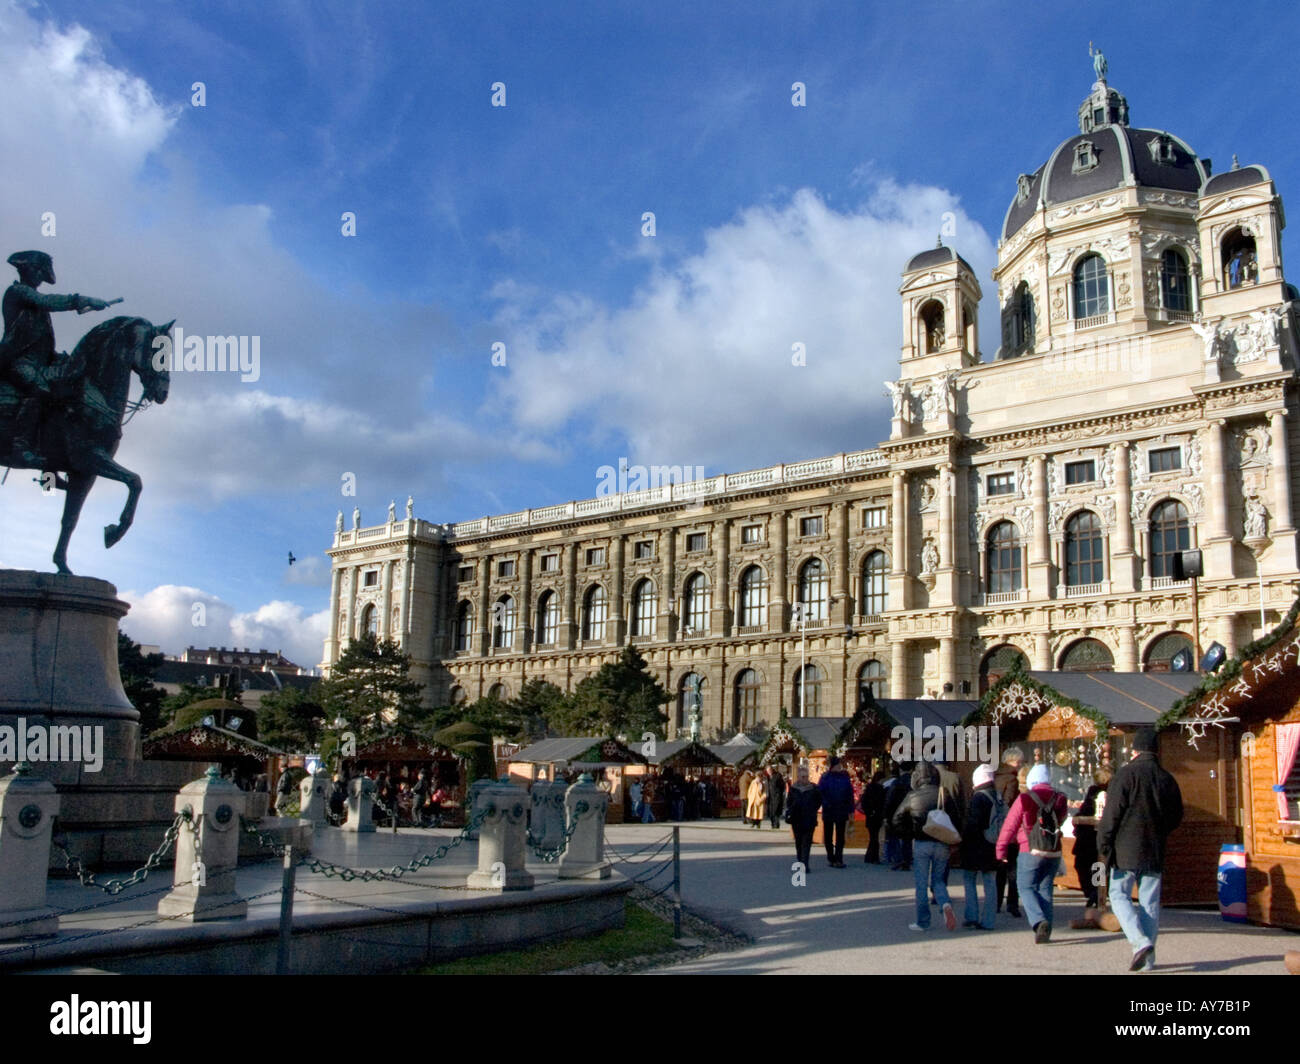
(1078, 722)
(1251, 706)
(402, 755)
(563, 757)
(699, 770)
(241, 759)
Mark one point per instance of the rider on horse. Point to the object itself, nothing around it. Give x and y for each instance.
(28, 359)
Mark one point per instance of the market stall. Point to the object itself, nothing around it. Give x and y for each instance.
(567, 757)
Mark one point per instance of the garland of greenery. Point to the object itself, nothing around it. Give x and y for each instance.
(870, 708)
(1230, 670)
(780, 733)
(1018, 674)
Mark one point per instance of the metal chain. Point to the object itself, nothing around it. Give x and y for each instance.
(73, 863)
(551, 856)
(366, 875)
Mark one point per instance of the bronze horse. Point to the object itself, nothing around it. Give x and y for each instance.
(80, 433)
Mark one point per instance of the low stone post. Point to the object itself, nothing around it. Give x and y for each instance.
(584, 858)
(361, 796)
(471, 801)
(27, 809)
(314, 798)
(502, 839)
(548, 814)
(207, 851)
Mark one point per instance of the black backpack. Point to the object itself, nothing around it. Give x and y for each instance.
(1045, 834)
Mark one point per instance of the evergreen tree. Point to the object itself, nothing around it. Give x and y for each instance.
(291, 719)
(538, 704)
(137, 670)
(622, 698)
(371, 690)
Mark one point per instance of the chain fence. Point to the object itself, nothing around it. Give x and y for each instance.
(72, 863)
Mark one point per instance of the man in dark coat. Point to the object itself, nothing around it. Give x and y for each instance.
(804, 800)
(979, 860)
(1143, 807)
(898, 849)
(872, 804)
(837, 806)
(1007, 783)
(775, 796)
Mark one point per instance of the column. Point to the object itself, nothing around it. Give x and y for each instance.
(777, 619)
(721, 591)
(898, 555)
(840, 612)
(524, 607)
(332, 643)
(898, 682)
(1217, 543)
(1042, 656)
(386, 600)
(354, 578)
(668, 558)
(617, 622)
(945, 577)
(1227, 632)
(1283, 556)
(571, 605)
(1123, 559)
(1126, 658)
(948, 662)
(1040, 558)
(484, 605)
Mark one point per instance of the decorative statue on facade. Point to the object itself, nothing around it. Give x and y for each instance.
(695, 709)
(901, 395)
(63, 414)
(410, 508)
(338, 524)
(1099, 64)
(929, 557)
(1212, 337)
(1256, 521)
(392, 511)
(356, 518)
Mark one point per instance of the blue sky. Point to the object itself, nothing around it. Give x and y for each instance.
(522, 224)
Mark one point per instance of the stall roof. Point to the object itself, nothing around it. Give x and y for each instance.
(205, 741)
(1125, 699)
(402, 746)
(689, 753)
(734, 754)
(567, 749)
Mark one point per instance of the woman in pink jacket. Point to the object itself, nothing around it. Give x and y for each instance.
(1034, 821)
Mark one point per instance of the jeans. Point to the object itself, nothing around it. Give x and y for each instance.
(929, 863)
(1034, 877)
(1141, 924)
(833, 836)
(973, 915)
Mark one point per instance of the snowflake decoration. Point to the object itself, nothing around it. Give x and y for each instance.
(1241, 687)
(1017, 701)
(1214, 714)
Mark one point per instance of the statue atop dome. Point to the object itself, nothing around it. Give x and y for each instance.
(1099, 64)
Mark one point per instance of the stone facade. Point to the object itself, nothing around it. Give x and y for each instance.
(1137, 403)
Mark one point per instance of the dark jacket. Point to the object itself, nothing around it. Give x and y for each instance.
(923, 797)
(804, 800)
(1143, 807)
(872, 802)
(775, 795)
(837, 794)
(977, 853)
(895, 791)
(1085, 835)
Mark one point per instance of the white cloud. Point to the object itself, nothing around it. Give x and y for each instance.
(697, 367)
(166, 616)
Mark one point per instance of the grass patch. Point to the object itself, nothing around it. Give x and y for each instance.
(643, 933)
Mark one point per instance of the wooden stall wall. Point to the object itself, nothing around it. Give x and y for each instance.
(1273, 872)
(1207, 777)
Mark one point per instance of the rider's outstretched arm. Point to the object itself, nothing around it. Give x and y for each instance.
(53, 301)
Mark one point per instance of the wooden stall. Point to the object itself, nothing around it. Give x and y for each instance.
(242, 759)
(605, 759)
(1251, 706)
(699, 769)
(1076, 722)
(402, 755)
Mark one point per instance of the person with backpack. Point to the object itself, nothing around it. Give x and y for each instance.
(1034, 823)
(1143, 807)
(985, 814)
(929, 853)
(872, 804)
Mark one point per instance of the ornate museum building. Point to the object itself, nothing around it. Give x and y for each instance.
(1030, 503)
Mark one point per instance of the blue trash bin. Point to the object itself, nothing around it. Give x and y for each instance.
(1232, 883)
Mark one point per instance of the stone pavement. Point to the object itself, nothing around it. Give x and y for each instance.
(854, 921)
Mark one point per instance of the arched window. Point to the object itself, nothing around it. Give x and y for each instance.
(697, 604)
(753, 597)
(594, 606)
(499, 691)
(548, 618)
(1240, 263)
(1083, 554)
(807, 683)
(998, 662)
(932, 325)
(1091, 290)
(1003, 558)
(1022, 330)
(1162, 651)
(464, 627)
(871, 677)
(458, 696)
(1175, 281)
(370, 621)
(748, 687)
(812, 589)
(686, 698)
(1170, 533)
(503, 622)
(1087, 655)
(644, 608)
(875, 584)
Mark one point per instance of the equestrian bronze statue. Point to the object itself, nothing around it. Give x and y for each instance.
(63, 414)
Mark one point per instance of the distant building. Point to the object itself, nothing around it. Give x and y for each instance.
(245, 658)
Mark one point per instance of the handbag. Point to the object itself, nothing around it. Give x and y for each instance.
(938, 825)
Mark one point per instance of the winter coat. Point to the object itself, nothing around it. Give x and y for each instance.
(837, 795)
(775, 794)
(757, 807)
(1143, 806)
(804, 801)
(977, 853)
(895, 791)
(911, 814)
(1022, 815)
(872, 802)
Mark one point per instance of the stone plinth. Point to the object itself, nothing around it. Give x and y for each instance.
(207, 852)
(584, 858)
(27, 810)
(502, 839)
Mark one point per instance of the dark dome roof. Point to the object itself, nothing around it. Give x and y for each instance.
(1230, 179)
(1124, 156)
(934, 257)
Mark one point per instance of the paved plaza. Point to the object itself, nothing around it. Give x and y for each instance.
(854, 921)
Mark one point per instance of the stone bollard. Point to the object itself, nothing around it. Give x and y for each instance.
(27, 809)
(584, 858)
(502, 839)
(314, 798)
(548, 814)
(361, 796)
(471, 801)
(207, 851)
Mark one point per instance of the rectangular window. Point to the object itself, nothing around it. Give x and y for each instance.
(697, 541)
(465, 574)
(810, 526)
(751, 534)
(1080, 472)
(595, 555)
(372, 578)
(644, 549)
(550, 563)
(875, 517)
(1164, 459)
(506, 568)
(1001, 484)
